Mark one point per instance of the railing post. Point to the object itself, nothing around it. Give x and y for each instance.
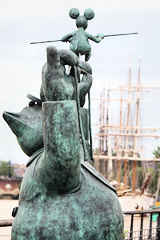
(131, 228)
(158, 227)
(141, 228)
(150, 227)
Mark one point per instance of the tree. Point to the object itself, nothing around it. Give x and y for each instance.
(156, 152)
(6, 169)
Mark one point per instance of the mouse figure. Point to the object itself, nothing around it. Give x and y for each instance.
(79, 39)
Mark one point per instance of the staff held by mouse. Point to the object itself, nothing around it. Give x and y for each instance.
(79, 44)
(79, 39)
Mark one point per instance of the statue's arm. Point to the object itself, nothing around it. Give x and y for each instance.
(68, 57)
(84, 87)
(96, 39)
(67, 37)
(59, 166)
(42, 95)
(86, 82)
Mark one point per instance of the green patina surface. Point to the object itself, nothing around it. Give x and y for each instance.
(58, 199)
(79, 39)
(61, 196)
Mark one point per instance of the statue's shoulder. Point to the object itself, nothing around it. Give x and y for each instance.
(93, 172)
(31, 187)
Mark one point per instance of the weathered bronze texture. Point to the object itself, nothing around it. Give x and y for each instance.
(58, 198)
(27, 126)
(61, 196)
(58, 85)
(79, 39)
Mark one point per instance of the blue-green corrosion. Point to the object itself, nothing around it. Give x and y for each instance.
(61, 196)
(79, 39)
(59, 199)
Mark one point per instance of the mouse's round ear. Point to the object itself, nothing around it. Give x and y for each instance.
(89, 14)
(74, 13)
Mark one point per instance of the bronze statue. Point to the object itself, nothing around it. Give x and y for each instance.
(62, 197)
(78, 39)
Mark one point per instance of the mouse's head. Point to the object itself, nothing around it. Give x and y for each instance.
(27, 126)
(81, 21)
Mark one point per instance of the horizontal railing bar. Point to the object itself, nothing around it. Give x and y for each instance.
(141, 211)
(6, 223)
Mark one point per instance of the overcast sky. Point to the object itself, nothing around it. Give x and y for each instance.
(22, 22)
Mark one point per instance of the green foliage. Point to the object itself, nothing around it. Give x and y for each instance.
(6, 169)
(156, 152)
(153, 183)
(96, 151)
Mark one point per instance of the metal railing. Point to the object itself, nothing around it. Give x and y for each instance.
(6, 223)
(142, 225)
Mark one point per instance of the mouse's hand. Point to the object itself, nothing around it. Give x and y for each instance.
(99, 37)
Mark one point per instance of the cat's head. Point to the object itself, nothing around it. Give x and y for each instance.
(27, 126)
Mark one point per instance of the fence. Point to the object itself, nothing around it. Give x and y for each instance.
(5, 229)
(142, 225)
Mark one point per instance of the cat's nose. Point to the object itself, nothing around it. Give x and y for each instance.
(13, 120)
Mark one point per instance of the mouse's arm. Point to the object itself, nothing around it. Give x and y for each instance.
(67, 37)
(96, 38)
